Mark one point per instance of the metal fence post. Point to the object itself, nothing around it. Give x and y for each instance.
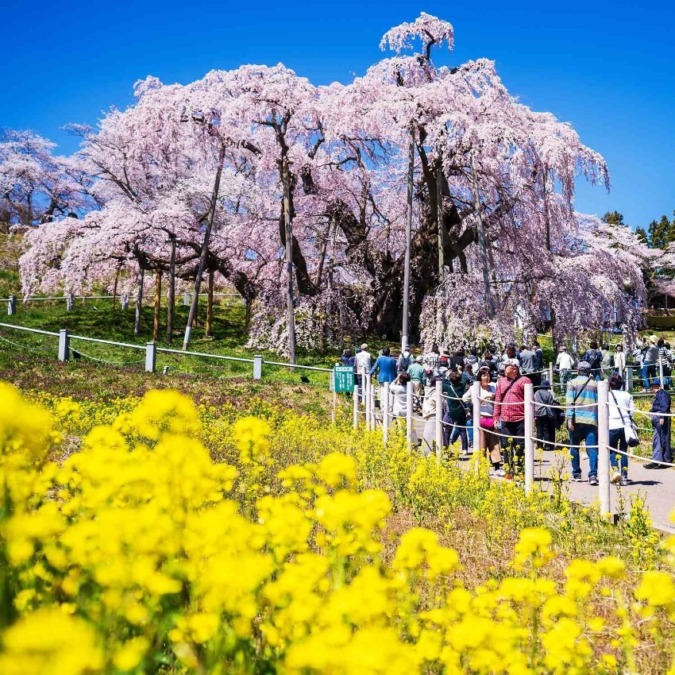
(550, 375)
(409, 415)
(124, 301)
(70, 302)
(64, 345)
(373, 413)
(363, 386)
(385, 412)
(439, 419)
(366, 392)
(333, 412)
(475, 419)
(186, 299)
(629, 378)
(355, 396)
(150, 357)
(257, 367)
(603, 447)
(661, 372)
(11, 305)
(529, 437)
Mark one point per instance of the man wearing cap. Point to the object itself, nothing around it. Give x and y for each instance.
(362, 363)
(582, 420)
(509, 413)
(416, 372)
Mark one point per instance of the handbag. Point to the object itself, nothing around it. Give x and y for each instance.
(487, 423)
(629, 430)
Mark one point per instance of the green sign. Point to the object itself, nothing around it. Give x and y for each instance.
(343, 379)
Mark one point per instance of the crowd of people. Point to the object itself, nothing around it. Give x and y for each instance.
(502, 376)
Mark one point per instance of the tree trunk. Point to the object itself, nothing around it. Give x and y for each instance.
(408, 240)
(171, 303)
(205, 249)
(157, 305)
(139, 303)
(208, 327)
(117, 279)
(289, 261)
(482, 243)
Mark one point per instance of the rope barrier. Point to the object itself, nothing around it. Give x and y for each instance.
(30, 349)
(106, 362)
(640, 457)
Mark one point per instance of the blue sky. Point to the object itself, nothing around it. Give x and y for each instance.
(608, 67)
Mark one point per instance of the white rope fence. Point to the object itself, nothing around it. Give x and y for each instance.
(366, 398)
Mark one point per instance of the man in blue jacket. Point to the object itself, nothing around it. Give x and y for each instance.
(385, 366)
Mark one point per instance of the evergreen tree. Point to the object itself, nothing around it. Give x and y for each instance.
(641, 234)
(613, 218)
(660, 233)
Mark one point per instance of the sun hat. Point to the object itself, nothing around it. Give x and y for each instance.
(364, 346)
(653, 338)
(511, 362)
(584, 366)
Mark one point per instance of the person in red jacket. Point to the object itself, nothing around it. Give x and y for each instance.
(509, 414)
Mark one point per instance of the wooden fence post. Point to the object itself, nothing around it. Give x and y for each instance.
(439, 419)
(603, 447)
(529, 437)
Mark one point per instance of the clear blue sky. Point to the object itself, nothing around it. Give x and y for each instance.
(607, 66)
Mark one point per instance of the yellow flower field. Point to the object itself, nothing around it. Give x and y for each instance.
(157, 536)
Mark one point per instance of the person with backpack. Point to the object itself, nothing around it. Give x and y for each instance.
(594, 357)
(546, 412)
(582, 420)
(404, 362)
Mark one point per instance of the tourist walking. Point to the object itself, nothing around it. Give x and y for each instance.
(429, 407)
(619, 361)
(489, 441)
(404, 361)
(509, 414)
(416, 373)
(399, 391)
(594, 356)
(582, 420)
(564, 364)
(526, 358)
(621, 407)
(385, 366)
(661, 421)
(347, 359)
(649, 361)
(454, 419)
(362, 363)
(546, 411)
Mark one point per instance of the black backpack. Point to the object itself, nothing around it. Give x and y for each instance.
(594, 357)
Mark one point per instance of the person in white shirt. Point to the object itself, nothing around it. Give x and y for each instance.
(362, 362)
(619, 360)
(621, 407)
(564, 363)
(399, 389)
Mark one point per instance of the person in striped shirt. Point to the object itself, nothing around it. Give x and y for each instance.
(582, 420)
